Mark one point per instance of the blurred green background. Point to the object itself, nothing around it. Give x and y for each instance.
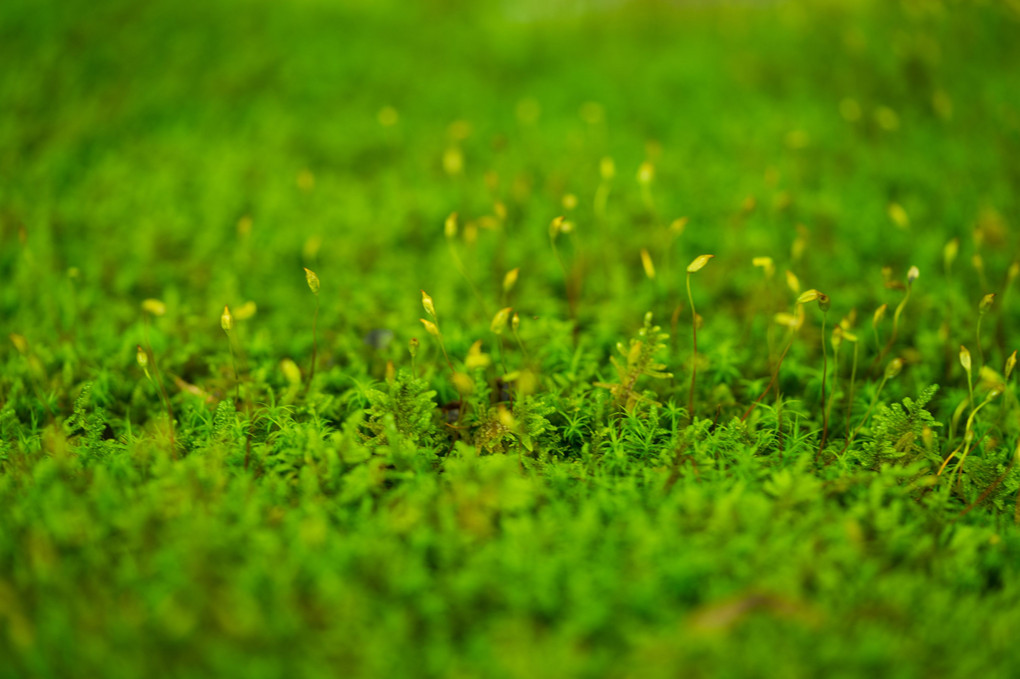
(137, 135)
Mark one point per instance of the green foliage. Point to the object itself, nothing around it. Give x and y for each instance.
(903, 434)
(411, 406)
(640, 362)
(986, 479)
(87, 428)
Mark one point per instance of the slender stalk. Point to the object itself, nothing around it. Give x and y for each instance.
(980, 352)
(968, 436)
(412, 348)
(694, 355)
(315, 344)
(313, 284)
(850, 399)
(867, 414)
(825, 372)
(912, 275)
(459, 263)
(983, 308)
(567, 283)
(158, 379)
(227, 323)
(515, 324)
(237, 380)
(891, 371)
(835, 375)
(775, 376)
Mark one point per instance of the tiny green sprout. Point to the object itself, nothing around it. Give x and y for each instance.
(142, 357)
(912, 275)
(984, 306)
(949, 253)
(765, 264)
(571, 285)
(792, 282)
(898, 215)
(245, 311)
(428, 305)
(808, 296)
(463, 383)
(978, 262)
(894, 368)
(788, 320)
(227, 323)
(499, 321)
(450, 226)
(1010, 364)
(556, 226)
(645, 176)
(476, 359)
(154, 307)
(313, 280)
(143, 361)
(823, 304)
(430, 327)
(646, 173)
(510, 280)
(291, 372)
(646, 263)
(226, 319)
(607, 168)
(799, 244)
(19, 342)
(453, 161)
(696, 265)
(965, 358)
(965, 361)
(412, 348)
(313, 285)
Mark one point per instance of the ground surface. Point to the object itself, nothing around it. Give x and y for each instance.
(303, 489)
